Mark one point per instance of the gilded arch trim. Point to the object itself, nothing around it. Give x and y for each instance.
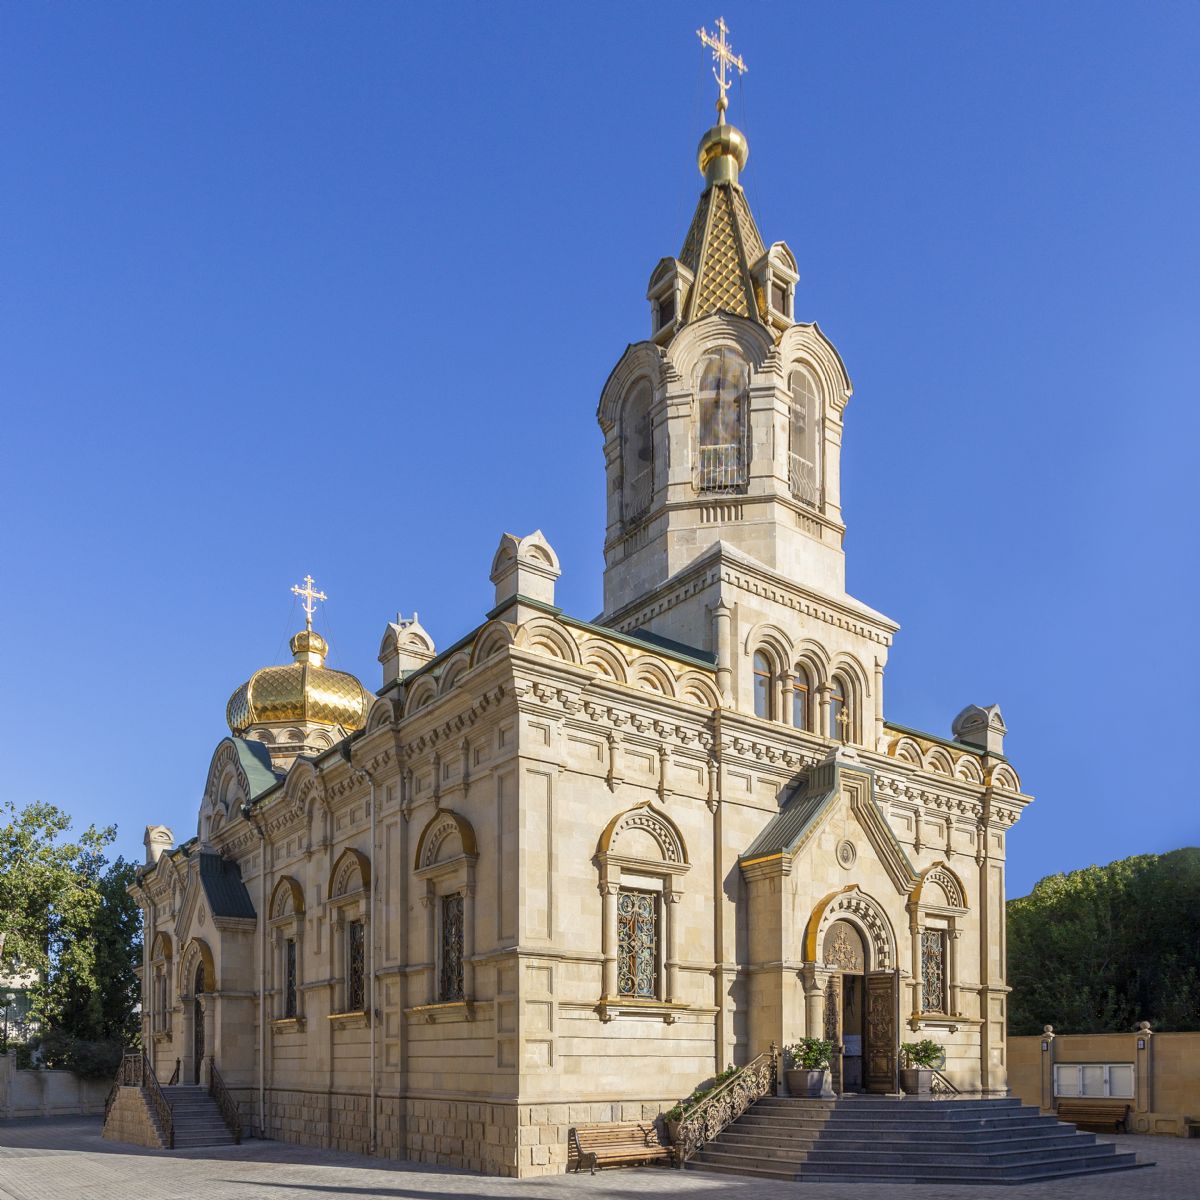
(347, 861)
(444, 823)
(947, 880)
(287, 888)
(853, 904)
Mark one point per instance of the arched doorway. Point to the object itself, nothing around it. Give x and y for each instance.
(844, 951)
(197, 1022)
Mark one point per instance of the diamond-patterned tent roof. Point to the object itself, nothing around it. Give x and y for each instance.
(722, 244)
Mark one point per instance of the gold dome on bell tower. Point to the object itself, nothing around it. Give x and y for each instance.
(304, 692)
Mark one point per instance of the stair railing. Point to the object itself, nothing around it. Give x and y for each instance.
(225, 1102)
(175, 1073)
(941, 1086)
(137, 1071)
(725, 1104)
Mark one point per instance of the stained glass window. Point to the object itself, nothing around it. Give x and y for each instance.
(637, 944)
(801, 700)
(722, 443)
(289, 977)
(356, 996)
(933, 970)
(762, 687)
(450, 984)
(804, 468)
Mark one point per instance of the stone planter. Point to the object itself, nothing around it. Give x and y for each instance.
(673, 1129)
(805, 1083)
(916, 1081)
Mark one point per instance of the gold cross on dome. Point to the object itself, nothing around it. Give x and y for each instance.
(724, 57)
(310, 594)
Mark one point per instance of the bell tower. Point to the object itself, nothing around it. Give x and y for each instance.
(723, 428)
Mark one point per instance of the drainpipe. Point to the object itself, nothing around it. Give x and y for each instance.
(363, 774)
(262, 968)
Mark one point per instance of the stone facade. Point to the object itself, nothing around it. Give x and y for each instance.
(565, 871)
(131, 1120)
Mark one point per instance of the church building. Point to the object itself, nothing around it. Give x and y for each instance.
(566, 870)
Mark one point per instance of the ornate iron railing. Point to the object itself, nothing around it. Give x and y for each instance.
(175, 1073)
(802, 478)
(225, 1102)
(136, 1071)
(719, 468)
(941, 1086)
(724, 1105)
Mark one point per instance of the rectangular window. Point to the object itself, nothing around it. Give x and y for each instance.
(779, 296)
(1097, 1080)
(356, 996)
(666, 310)
(933, 970)
(637, 944)
(289, 978)
(450, 979)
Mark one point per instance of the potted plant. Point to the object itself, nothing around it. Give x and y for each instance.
(810, 1060)
(918, 1060)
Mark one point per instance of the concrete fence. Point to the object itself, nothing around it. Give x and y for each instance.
(47, 1093)
(1156, 1074)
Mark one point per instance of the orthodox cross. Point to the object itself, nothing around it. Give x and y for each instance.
(843, 719)
(724, 57)
(310, 594)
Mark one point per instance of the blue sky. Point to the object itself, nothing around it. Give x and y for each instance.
(334, 288)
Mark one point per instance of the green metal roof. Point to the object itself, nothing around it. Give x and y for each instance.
(222, 882)
(800, 811)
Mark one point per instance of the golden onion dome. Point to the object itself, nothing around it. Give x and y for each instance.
(303, 691)
(722, 153)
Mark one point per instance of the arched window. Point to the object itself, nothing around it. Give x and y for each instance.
(841, 715)
(802, 700)
(637, 454)
(804, 459)
(723, 436)
(763, 706)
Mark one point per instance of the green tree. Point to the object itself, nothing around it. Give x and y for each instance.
(1101, 948)
(66, 914)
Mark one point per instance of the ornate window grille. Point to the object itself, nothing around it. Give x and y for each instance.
(356, 995)
(637, 449)
(804, 462)
(450, 982)
(933, 970)
(637, 944)
(723, 441)
(289, 978)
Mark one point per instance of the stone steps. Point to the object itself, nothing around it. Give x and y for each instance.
(197, 1117)
(906, 1141)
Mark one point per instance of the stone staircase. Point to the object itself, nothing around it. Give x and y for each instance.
(197, 1118)
(910, 1140)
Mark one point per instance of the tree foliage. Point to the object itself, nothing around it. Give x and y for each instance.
(65, 914)
(1100, 949)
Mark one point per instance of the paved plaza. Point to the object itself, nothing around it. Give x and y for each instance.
(65, 1158)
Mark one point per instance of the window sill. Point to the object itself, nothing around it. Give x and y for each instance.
(349, 1020)
(633, 1006)
(445, 1010)
(163, 1035)
(292, 1024)
(942, 1021)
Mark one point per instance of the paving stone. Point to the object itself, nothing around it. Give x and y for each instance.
(65, 1158)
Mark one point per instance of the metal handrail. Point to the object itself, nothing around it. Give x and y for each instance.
(225, 1102)
(941, 1085)
(137, 1071)
(725, 1104)
(175, 1073)
(162, 1110)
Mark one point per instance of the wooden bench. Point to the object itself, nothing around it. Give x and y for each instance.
(618, 1143)
(1191, 1127)
(1095, 1114)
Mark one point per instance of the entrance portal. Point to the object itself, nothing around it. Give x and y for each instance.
(845, 997)
(197, 1024)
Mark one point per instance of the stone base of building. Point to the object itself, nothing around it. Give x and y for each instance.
(517, 1140)
(131, 1120)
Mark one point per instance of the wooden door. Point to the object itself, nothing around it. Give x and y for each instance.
(883, 1031)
